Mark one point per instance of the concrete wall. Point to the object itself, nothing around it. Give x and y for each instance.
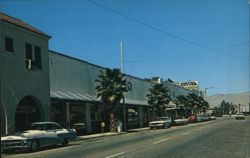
(17, 81)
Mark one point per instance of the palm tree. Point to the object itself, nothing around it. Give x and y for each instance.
(110, 89)
(197, 103)
(182, 102)
(192, 102)
(204, 105)
(158, 97)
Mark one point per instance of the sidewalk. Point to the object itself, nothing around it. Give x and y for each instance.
(93, 136)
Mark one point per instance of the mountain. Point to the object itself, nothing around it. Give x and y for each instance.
(237, 98)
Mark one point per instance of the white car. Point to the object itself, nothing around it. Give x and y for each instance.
(180, 121)
(240, 117)
(212, 118)
(160, 122)
(41, 134)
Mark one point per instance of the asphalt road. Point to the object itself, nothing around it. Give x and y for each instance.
(222, 138)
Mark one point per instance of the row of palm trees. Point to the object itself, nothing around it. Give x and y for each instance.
(112, 85)
(159, 98)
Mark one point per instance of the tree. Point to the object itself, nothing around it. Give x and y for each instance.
(196, 103)
(110, 89)
(228, 108)
(204, 105)
(182, 102)
(217, 111)
(158, 97)
(192, 102)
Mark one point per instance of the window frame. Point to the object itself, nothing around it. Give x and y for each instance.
(9, 47)
(33, 53)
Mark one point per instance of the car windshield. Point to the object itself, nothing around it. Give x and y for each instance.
(37, 127)
(161, 118)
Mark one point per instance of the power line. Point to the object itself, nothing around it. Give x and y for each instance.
(190, 54)
(234, 45)
(165, 32)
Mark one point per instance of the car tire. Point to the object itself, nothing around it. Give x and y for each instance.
(65, 142)
(5, 151)
(35, 145)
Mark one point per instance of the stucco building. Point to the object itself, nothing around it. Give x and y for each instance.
(24, 74)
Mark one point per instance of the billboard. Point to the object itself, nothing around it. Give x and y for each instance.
(191, 85)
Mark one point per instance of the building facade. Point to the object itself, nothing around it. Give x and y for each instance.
(74, 101)
(24, 76)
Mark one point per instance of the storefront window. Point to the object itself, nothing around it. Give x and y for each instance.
(77, 114)
(95, 114)
(133, 116)
(57, 113)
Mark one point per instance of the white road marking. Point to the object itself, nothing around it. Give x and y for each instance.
(186, 133)
(160, 141)
(118, 154)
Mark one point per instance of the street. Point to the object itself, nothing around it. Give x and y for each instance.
(222, 138)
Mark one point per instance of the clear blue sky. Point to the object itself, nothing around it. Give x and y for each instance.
(204, 40)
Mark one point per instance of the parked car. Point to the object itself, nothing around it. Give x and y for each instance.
(40, 134)
(160, 122)
(192, 118)
(180, 120)
(202, 118)
(240, 117)
(212, 118)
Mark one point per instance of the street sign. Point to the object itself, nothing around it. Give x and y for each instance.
(102, 124)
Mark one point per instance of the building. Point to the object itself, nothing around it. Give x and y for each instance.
(37, 84)
(24, 74)
(73, 95)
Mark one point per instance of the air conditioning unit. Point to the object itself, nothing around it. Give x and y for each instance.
(29, 64)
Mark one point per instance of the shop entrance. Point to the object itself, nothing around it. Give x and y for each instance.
(27, 112)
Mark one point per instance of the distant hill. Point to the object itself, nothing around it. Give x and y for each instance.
(237, 98)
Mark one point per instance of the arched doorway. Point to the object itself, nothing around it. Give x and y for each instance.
(27, 111)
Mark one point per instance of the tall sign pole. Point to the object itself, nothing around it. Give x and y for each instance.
(123, 99)
(122, 60)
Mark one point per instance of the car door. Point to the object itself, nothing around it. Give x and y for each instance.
(61, 132)
(50, 136)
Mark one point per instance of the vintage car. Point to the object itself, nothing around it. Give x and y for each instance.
(240, 117)
(160, 122)
(41, 134)
(180, 120)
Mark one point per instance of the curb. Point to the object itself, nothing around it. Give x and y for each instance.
(100, 135)
(79, 138)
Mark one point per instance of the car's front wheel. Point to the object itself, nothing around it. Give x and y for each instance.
(65, 142)
(35, 145)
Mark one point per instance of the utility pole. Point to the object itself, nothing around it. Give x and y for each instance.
(123, 98)
(205, 96)
(122, 60)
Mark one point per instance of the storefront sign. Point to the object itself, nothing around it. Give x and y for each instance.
(191, 85)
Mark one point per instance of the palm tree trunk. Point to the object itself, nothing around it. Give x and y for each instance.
(112, 121)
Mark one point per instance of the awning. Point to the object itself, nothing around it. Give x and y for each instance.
(135, 102)
(85, 97)
(72, 96)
